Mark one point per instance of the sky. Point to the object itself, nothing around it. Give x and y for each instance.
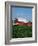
(22, 12)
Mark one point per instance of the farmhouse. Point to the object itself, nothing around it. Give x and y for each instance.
(25, 24)
(22, 21)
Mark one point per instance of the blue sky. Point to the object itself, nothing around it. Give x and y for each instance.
(21, 12)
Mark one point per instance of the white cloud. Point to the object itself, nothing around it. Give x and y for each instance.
(22, 20)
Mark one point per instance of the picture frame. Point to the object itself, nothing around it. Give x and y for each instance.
(8, 23)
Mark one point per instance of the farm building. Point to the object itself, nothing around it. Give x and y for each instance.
(22, 21)
(25, 24)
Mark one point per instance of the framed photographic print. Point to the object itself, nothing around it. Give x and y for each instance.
(20, 22)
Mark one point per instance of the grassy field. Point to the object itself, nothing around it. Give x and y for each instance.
(21, 31)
